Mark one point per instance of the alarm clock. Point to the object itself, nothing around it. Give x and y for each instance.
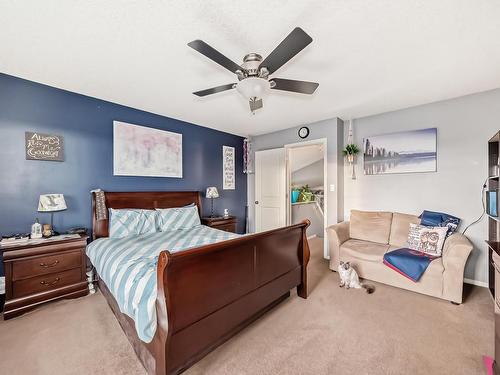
(303, 132)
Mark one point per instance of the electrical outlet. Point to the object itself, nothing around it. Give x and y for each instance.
(332, 187)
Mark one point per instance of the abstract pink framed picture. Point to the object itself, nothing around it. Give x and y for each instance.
(143, 151)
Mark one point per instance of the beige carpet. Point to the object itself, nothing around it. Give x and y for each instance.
(335, 331)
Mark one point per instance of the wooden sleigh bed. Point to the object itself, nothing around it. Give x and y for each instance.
(209, 293)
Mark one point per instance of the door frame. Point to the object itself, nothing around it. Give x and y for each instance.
(288, 148)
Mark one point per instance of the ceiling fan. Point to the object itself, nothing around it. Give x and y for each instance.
(253, 75)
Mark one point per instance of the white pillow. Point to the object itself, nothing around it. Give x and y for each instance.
(429, 240)
(178, 218)
(128, 222)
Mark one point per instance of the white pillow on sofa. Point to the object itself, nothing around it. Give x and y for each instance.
(429, 240)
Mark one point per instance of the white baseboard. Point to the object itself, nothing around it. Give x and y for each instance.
(476, 282)
(312, 236)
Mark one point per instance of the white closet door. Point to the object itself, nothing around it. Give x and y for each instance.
(270, 189)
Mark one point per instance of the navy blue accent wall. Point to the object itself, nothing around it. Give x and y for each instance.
(87, 127)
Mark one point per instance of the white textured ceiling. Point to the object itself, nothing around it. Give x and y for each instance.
(368, 56)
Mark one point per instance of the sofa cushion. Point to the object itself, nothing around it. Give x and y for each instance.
(400, 227)
(370, 226)
(364, 250)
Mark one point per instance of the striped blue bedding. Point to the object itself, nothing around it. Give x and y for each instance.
(128, 268)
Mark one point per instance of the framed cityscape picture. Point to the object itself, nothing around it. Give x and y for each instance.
(403, 152)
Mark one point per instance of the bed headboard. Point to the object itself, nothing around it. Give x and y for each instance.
(146, 200)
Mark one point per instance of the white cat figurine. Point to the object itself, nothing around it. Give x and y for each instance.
(350, 279)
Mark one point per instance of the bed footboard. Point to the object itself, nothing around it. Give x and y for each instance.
(207, 294)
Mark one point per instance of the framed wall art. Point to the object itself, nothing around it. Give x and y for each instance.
(403, 152)
(228, 168)
(143, 151)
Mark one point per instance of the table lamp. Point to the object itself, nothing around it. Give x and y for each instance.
(52, 203)
(212, 193)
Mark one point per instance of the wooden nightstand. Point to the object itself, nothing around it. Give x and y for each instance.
(42, 272)
(228, 224)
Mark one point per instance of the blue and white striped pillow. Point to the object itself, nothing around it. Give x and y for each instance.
(130, 222)
(178, 218)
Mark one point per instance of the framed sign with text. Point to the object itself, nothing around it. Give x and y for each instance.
(228, 176)
(44, 146)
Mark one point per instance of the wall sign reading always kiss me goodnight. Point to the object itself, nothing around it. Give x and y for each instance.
(44, 147)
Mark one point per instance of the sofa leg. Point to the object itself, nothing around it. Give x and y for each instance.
(455, 303)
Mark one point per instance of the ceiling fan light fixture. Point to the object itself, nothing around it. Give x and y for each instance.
(253, 74)
(253, 87)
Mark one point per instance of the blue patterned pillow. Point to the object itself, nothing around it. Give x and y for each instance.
(178, 218)
(129, 222)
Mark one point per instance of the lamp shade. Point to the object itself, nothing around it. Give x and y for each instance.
(253, 87)
(51, 203)
(212, 192)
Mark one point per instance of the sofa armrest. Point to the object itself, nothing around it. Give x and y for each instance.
(456, 251)
(337, 235)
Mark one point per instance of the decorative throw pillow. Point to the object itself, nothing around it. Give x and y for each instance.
(429, 240)
(178, 218)
(128, 222)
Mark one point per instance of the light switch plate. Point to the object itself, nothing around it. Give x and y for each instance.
(332, 187)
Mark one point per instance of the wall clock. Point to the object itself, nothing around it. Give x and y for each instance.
(304, 132)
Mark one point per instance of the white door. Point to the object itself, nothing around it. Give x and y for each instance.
(270, 189)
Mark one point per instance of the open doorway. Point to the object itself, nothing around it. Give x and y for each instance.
(306, 186)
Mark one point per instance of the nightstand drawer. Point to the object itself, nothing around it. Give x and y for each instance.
(227, 224)
(227, 227)
(23, 269)
(46, 282)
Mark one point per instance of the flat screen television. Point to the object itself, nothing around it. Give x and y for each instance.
(492, 202)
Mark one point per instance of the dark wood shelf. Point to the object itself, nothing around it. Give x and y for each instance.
(494, 245)
(493, 221)
(496, 218)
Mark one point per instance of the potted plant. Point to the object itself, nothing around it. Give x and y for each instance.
(305, 194)
(350, 151)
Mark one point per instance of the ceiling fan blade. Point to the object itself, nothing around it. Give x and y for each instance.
(301, 87)
(255, 104)
(295, 42)
(213, 54)
(214, 90)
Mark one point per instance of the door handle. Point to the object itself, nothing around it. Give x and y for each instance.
(46, 283)
(45, 265)
(256, 202)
